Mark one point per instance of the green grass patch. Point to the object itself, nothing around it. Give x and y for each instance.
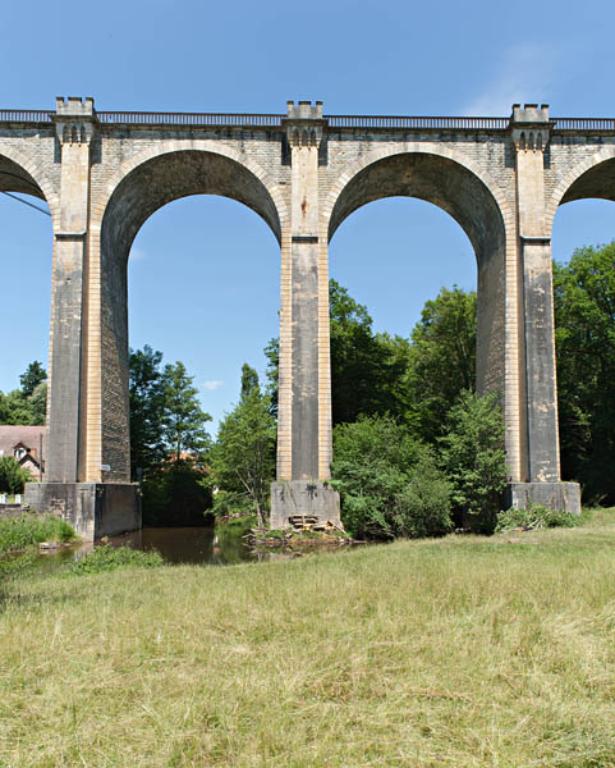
(23, 531)
(535, 517)
(107, 558)
(460, 652)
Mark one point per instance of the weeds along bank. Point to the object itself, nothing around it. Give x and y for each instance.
(462, 651)
(21, 532)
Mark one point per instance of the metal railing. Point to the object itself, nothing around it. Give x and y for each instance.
(188, 118)
(429, 123)
(239, 120)
(26, 116)
(583, 124)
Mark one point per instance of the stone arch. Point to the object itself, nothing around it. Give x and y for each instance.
(436, 154)
(443, 180)
(145, 185)
(166, 151)
(19, 173)
(593, 177)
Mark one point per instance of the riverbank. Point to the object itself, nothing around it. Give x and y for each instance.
(463, 651)
(24, 531)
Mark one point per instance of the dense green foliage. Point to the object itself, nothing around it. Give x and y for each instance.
(585, 339)
(147, 410)
(13, 477)
(107, 558)
(242, 461)
(20, 532)
(28, 404)
(184, 420)
(534, 518)
(388, 481)
(33, 376)
(366, 368)
(442, 360)
(176, 493)
(169, 441)
(166, 418)
(473, 457)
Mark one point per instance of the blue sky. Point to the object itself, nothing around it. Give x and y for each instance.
(359, 57)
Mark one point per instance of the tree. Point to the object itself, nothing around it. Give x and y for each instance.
(389, 482)
(474, 460)
(166, 419)
(249, 380)
(243, 458)
(366, 368)
(27, 405)
(442, 360)
(585, 341)
(38, 404)
(184, 421)
(176, 493)
(34, 375)
(13, 477)
(272, 353)
(147, 410)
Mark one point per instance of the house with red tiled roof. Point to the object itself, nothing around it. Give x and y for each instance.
(26, 445)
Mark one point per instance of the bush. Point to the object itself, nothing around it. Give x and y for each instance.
(424, 506)
(388, 481)
(232, 504)
(107, 558)
(533, 518)
(13, 477)
(474, 460)
(18, 533)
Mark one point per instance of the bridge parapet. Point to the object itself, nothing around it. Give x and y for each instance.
(583, 125)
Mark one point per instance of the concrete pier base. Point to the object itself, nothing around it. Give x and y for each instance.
(565, 497)
(93, 509)
(303, 497)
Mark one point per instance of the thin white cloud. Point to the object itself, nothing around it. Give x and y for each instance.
(212, 384)
(524, 74)
(136, 254)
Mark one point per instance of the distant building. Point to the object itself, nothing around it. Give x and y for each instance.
(26, 445)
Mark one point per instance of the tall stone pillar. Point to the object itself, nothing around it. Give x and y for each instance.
(531, 128)
(93, 509)
(303, 465)
(75, 126)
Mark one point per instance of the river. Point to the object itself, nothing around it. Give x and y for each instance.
(203, 545)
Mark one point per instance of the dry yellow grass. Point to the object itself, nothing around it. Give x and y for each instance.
(461, 652)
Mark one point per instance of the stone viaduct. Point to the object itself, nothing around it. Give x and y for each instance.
(104, 173)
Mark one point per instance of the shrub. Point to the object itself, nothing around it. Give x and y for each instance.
(474, 460)
(232, 504)
(533, 518)
(25, 530)
(423, 507)
(13, 477)
(388, 481)
(107, 558)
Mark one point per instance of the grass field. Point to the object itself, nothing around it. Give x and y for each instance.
(459, 652)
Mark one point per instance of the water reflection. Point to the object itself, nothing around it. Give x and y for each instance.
(190, 545)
